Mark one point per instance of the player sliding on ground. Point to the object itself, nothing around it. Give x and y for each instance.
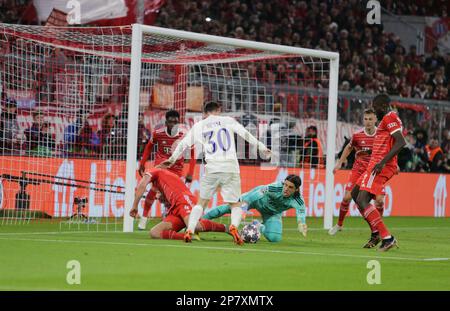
(271, 201)
(164, 137)
(216, 134)
(362, 144)
(179, 201)
(382, 167)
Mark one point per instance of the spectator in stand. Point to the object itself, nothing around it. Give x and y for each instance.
(46, 143)
(80, 139)
(312, 153)
(435, 156)
(406, 155)
(110, 140)
(420, 162)
(9, 128)
(33, 133)
(434, 61)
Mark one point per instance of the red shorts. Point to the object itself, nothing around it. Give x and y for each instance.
(176, 215)
(355, 178)
(375, 183)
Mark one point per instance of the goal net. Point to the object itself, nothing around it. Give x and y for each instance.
(79, 104)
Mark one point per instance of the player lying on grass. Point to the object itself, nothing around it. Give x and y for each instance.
(382, 167)
(271, 201)
(164, 137)
(216, 135)
(179, 202)
(361, 143)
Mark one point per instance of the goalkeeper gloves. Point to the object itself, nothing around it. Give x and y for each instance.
(302, 228)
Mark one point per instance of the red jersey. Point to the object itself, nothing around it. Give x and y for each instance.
(165, 145)
(171, 186)
(361, 141)
(384, 141)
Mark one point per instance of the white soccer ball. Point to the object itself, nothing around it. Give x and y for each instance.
(250, 233)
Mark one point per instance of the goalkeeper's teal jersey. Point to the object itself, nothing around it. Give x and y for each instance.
(269, 200)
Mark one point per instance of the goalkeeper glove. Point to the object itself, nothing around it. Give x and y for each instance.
(302, 228)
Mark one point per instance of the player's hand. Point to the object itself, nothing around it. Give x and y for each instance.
(337, 167)
(302, 228)
(188, 179)
(134, 212)
(378, 168)
(141, 170)
(398, 170)
(267, 153)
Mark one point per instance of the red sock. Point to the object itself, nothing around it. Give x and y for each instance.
(149, 199)
(171, 235)
(211, 226)
(343, 209)
(373, 217)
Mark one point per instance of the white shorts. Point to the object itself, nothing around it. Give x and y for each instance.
(229, 183)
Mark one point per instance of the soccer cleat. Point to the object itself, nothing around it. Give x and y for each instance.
(387, 244)
(373, 241)
(142, 223)
(196, 236)
(335, 230)
(235, 234)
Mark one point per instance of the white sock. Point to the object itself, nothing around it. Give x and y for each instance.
(236, 216)
(194, 217)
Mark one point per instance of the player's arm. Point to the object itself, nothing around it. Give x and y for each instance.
(241, 131)
(347, 150)
(192, 163)
(399, 143)
(187, 141)
(300, 210)
(140, 189)
(146, 155)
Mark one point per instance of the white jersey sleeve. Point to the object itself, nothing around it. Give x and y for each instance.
(188, 140)
(241, 131)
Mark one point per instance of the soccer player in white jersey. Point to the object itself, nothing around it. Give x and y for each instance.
(216, 134)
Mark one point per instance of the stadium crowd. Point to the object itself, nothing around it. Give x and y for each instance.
(371, 61)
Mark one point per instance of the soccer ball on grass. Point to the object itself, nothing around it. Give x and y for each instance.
(250, 233)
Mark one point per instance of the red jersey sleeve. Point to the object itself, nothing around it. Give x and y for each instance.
(192, 162)
(392, 123)
(147, 150)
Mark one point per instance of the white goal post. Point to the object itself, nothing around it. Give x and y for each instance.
(139, 31)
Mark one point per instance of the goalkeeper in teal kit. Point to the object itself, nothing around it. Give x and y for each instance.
(271, 201)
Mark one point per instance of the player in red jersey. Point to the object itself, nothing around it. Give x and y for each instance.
(361, 143)
(382, 167)
(165, 137)
(179, 202)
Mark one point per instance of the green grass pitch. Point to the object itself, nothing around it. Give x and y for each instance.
(34, 257)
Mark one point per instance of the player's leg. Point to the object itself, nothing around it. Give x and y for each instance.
(218, 211)
(208, 186)
(371, 186)
(379, 203)
(206, 225)
(343, 210)
(231, 193)
(149, 199)
(168, 228)
(272, 227)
